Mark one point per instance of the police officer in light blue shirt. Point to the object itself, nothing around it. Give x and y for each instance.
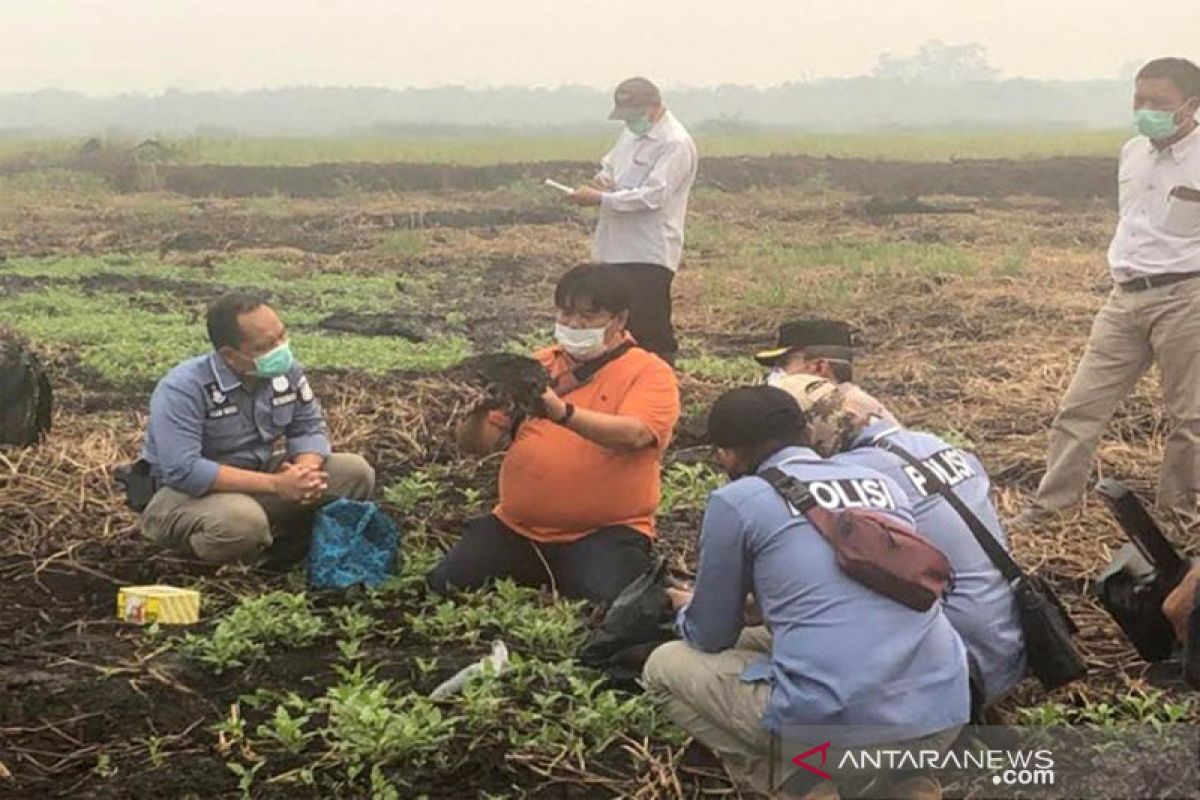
(837, 654)
(981, 605)
(237, 443)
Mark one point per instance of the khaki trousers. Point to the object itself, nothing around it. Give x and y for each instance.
(1132, 331)
(704, 694)
(225, 527)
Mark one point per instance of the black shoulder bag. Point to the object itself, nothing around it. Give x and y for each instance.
(1047, 626)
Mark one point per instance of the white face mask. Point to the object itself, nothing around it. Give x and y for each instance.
(776, 376)
(581, 344)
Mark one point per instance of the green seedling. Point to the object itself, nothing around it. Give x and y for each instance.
(154, 751)
(413, 490)
(245, 777)
(286, 730)
(687, 486)
(272, 620)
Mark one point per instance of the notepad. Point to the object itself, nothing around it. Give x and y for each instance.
(553, 184)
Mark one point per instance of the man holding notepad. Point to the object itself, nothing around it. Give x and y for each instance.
(642, 193)
(1152, 315)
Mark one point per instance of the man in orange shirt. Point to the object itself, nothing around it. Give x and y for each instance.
(579, 484)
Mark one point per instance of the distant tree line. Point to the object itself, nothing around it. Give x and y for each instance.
(939, 86)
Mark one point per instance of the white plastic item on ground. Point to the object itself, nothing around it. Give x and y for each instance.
(496, 661)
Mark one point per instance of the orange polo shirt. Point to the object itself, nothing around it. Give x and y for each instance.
(556, 486)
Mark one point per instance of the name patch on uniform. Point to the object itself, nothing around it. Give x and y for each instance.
(220, 404)
(283, 393)
(948, 466)
(306, 392)
(846, 493)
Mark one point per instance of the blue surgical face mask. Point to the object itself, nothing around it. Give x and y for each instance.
(639, 126)
(1157, 125)
(274, 362)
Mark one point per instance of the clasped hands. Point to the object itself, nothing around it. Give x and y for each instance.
(305, 484)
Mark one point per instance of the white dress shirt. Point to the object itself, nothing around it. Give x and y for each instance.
(1156, 233)
(641, 220)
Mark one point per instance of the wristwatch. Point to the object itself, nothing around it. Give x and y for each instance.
(567, 414)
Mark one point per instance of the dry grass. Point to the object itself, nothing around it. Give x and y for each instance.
(983, 354)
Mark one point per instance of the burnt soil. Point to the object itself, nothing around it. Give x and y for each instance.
(985, 357)
(1057, 177)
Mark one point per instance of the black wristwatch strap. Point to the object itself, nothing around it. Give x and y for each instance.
(567, 414)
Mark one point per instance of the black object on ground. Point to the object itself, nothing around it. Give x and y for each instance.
(26, 399)
(389, 324)
(1141, 575)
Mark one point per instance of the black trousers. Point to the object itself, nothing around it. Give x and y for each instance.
(596, 567)
(650, 313)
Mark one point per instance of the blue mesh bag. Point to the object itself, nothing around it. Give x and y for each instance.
(352, 542)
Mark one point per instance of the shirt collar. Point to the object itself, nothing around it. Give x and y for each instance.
(656, 130)
(227, 379)
(1179, 150)
(790, 453)
(874, 431)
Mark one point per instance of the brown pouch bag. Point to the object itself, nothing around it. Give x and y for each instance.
(880, 552)
(1178, 605)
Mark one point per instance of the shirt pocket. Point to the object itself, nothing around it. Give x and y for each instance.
(638, 169)
(226, 434)
(1182, 218)
(281, 418)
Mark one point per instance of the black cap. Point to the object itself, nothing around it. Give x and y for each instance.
(632, 96)
(750, 415)
(808, 333)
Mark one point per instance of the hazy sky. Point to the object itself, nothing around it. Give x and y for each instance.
(149, 45)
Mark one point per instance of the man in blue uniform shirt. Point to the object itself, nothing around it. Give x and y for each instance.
(981, 606)
(237, 442)
(864, 667)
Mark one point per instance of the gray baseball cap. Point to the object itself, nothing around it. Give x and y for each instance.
(632, 96)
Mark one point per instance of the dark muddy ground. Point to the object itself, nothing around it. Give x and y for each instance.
(981, 353)
(1066, 178)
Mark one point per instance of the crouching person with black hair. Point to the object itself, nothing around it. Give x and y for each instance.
(835, 655)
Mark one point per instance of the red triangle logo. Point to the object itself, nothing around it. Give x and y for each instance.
(823, 749)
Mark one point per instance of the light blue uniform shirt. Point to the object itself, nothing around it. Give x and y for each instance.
(202, 415)
(842, 654)
(981, 606)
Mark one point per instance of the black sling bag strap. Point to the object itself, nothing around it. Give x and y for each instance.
(588, 369)
(1011, 571)
(1047, 626)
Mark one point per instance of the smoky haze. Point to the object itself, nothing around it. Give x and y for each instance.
(313, 67)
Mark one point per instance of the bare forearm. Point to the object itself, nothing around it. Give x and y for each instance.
(243, 481)
(611, 430)
(478, 435)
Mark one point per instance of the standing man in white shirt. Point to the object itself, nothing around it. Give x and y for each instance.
(642, 191)
(1152, 315)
